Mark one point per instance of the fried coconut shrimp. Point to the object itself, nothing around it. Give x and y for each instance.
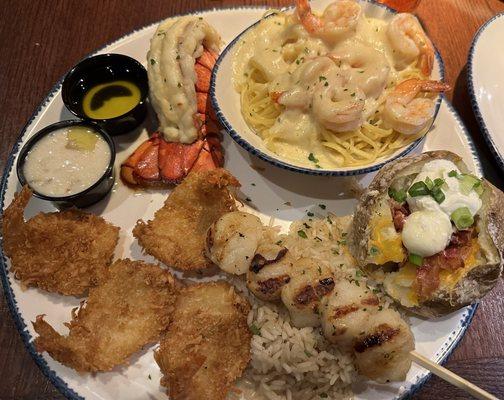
(64, 252)
(176, 236)
(208, 344)
(129, 309)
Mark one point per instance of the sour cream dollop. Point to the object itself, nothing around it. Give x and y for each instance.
(454, 198)
(427, 232)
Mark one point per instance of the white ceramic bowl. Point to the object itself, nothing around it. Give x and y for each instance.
(226, 103)
(486, 83)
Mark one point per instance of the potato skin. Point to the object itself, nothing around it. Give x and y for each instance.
(479, 280)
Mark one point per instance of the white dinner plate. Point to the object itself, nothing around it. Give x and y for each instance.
(271, 191)
(486, 83)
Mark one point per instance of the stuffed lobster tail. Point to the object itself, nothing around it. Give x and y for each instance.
(431, 233)
(180, 62)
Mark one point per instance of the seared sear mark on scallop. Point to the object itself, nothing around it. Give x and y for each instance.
(270, 286)
(259, 261)
(342, 311)
(309, 294)
(383, 334)
(324, 286)
(370, 301)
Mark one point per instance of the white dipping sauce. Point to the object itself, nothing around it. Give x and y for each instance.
(53, 167)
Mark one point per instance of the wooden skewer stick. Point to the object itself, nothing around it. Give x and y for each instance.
(452, 378)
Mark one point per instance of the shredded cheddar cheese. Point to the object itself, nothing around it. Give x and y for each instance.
(386, 241)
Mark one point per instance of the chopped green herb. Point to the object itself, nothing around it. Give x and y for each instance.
(380, 308)
(306, 225)
(322, 206)
(152, 61)
(319, 270)
(452, 174)
(178, 57)
(308, 354)
(322, 78)
(149, 376)
(323, 395)
(255, 330)
(312, 158)
(310, 214)
(302, 234)
(374, 251)
(358, 273)
(279, 243)
(248, 199)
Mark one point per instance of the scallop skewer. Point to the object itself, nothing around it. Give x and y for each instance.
(351, 316)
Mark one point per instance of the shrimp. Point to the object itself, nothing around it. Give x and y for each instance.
(338, 108)
(410, 43)
(338, 19)
(368, 68)
(407, 114)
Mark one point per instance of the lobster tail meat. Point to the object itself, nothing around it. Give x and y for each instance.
(189, 134)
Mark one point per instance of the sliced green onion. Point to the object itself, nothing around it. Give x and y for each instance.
(429, 183)
(438, 182)
(467, 183)
(397, 195)
(416, 259)
(438, 195)
(462, 218)
(418, 189)
(452, 173)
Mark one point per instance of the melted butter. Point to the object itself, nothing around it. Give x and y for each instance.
(111, 99)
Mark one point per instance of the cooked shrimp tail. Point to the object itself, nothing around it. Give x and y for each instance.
(406, 113)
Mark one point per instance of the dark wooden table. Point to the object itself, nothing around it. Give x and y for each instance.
(41, 40)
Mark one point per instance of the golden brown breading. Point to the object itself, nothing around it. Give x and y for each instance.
(176, 236)
(208, 344)
(64, 252)
(130, 308)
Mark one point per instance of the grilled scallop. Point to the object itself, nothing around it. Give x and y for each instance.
(269, 271)
(346, 311)
(310, 282)
(382, 351)
(232, 241)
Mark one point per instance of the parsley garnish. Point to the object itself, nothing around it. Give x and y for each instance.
(302, 234)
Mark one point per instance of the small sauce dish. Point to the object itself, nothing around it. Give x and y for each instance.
(70, 163)
(110, 90)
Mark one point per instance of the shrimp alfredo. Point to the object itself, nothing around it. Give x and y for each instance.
(336, 90)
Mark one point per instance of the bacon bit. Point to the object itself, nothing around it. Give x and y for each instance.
(340, 312)
(450, 259)
(427, 280)
(399, 214)
(382, 334)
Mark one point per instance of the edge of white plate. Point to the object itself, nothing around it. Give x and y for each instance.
(487, 135)
(19, 322)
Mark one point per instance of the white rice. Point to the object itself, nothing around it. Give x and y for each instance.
(290, 363)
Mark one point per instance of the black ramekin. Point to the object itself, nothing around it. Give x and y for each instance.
(102, 69)
(88, 196)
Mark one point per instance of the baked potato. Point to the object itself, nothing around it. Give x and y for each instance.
(430, 232)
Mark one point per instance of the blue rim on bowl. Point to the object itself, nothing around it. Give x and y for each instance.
(91, 194)
(498, 155)
(276, 161)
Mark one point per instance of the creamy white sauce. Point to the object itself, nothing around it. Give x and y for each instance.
(175, 46)
(454, 198)
(282, 50)
(53, 169)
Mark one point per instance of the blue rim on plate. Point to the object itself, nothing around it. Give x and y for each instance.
(19, 321)
(296, 168)
(487, 135)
